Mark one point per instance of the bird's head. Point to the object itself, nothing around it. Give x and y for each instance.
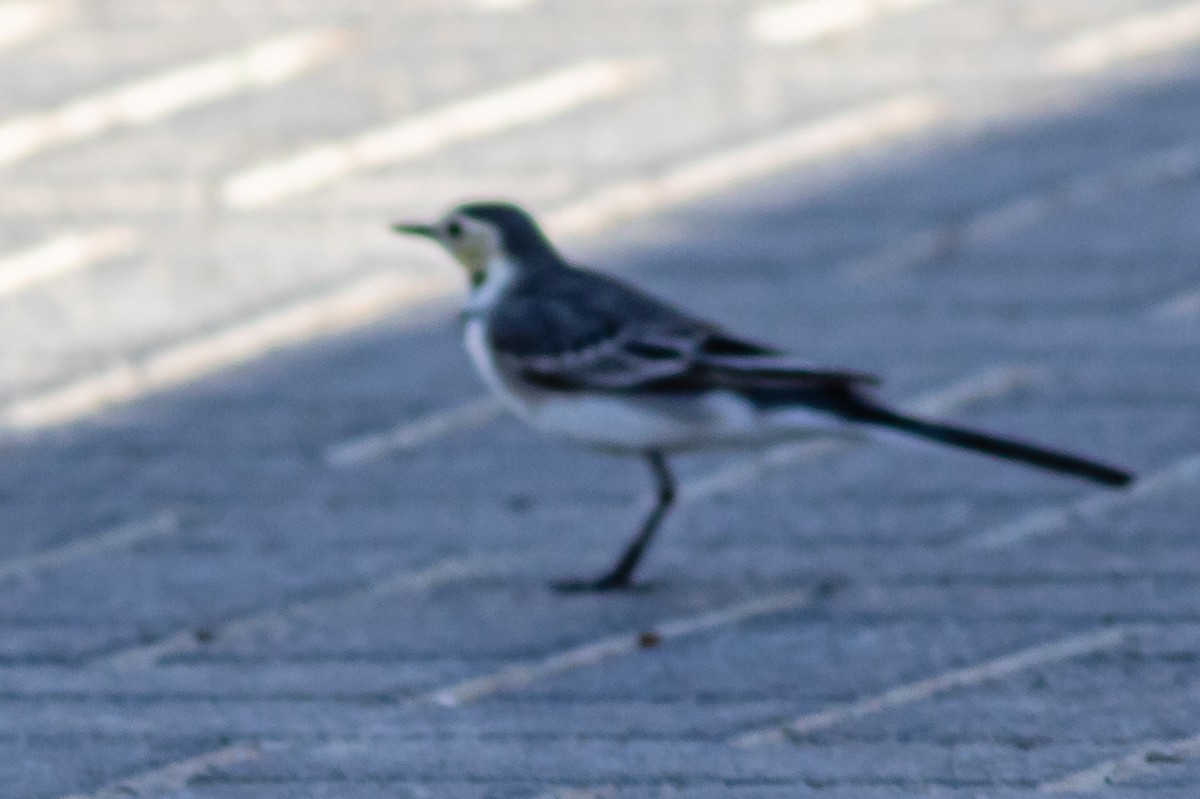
(478, 234)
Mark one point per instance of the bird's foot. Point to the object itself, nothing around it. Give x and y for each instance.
(604, 584)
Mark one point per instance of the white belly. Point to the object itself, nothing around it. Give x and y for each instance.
(714, 419)
(475, 340)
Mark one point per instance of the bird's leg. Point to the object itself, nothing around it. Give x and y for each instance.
(622, 571)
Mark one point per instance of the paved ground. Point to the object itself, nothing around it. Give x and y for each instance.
(230, 569)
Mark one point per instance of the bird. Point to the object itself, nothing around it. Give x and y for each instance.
(587, 357)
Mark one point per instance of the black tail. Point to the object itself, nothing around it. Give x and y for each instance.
(991, 445)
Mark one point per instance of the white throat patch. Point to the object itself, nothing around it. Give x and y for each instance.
(500, 275)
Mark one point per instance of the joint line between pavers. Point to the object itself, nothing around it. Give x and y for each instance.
(1146, 758)
(591, 653)
(156, 97)
(811, 20)
(1127, 39)
(415, 433)
(21, 20)
(175, 776)
(1003, 220)
(398, 581)
(1091, 508)
(164, 522)
(63, 254)
(908, 693)
(531, 101)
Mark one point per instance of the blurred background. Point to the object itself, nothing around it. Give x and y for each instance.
(259, 523)
(173, 170)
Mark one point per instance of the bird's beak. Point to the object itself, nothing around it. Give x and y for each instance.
(416, 229)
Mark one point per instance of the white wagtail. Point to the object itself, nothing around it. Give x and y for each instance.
(587, 357)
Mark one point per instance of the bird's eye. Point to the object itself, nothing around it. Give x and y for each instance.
(454, 229)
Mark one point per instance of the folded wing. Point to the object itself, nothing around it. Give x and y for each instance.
(605, 336)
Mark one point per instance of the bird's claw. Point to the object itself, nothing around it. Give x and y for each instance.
(603, 584)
